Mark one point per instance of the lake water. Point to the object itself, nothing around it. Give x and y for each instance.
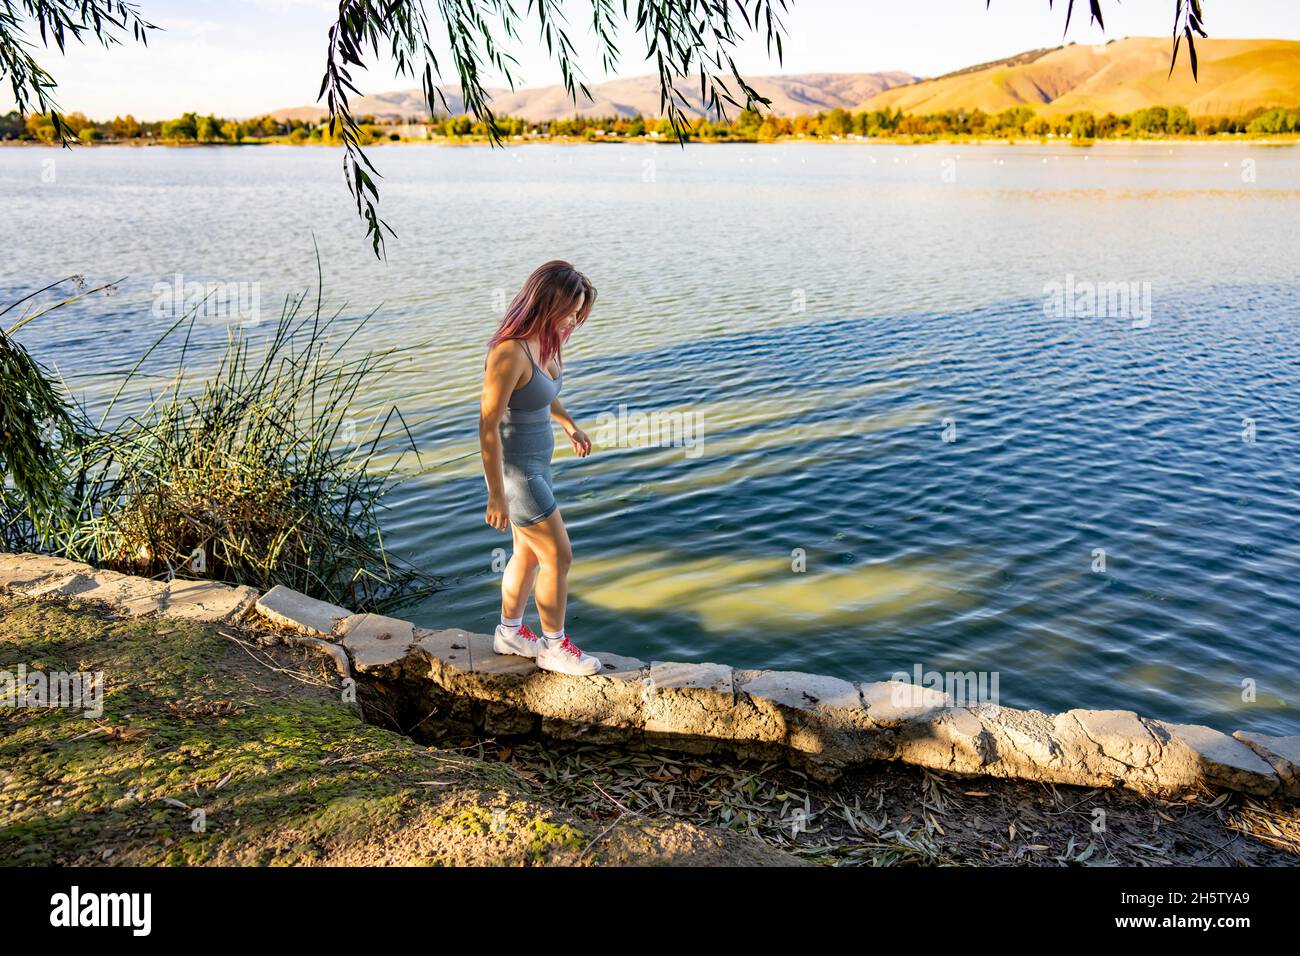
(1100, 505)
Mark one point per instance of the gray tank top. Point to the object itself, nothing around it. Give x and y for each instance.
(532, 402)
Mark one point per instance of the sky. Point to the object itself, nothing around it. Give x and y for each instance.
(239, 58)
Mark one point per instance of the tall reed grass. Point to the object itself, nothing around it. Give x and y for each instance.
(250, 475)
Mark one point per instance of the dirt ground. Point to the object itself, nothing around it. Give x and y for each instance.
(213, 749)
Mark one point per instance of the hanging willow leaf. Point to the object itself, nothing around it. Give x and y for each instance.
(34, 419)
(56, 22)
(1188, 23)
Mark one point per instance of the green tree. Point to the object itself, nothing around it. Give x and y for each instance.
(12, 125)
(124, 127)
(184, 127)
(207, 129)
(1179, 121)
(883, 122)
(1275, 121)
(1153, 120)
(838, 122)
(1083, 125)
(1013, 121)
(774, 127)
(748, 122)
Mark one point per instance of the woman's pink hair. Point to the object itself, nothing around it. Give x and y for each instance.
(548, 295)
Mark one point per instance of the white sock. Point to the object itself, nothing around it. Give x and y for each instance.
(511, 624)
(553, 640)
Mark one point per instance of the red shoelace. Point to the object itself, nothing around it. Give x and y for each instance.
(565, 645)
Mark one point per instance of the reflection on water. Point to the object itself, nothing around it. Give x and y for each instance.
(882, 398)
(736, 594)
(737, 458)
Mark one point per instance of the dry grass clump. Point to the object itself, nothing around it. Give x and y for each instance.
(254, 474)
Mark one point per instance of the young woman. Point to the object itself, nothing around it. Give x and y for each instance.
(521, 387)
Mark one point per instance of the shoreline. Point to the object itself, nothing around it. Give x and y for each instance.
(467, 142)
(275, 721)
(430, 684)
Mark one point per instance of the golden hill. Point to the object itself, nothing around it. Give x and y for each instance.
(1235, 76)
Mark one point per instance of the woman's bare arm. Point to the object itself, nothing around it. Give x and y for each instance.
(504, 369)
(577, 437)
(561, 415)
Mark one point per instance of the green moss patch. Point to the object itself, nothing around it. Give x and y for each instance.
(212, 749)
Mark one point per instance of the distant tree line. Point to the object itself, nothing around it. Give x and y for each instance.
(746, 126)
(186, 128)
(1020, 121)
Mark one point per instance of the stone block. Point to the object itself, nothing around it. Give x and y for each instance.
(207, 601)
(307, 615)
(694, 707)
(1106, 747)
(1282, 754)
(24, 572)
(1197, 754)
(376, 643)
(606, 705)
(896, 704)
(952, 739)
(821, 718)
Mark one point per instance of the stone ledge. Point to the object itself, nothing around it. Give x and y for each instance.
(26, 572)
(375, 643)
(431, 681)
(1198, 754)
(692, 707)
(1282, 754)
(307, 615)
(207, 601)
(204, 601)
(822, 721)
(894, 704)
(513, 691)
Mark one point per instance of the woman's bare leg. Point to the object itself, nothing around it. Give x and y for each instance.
(548, 542)
(517, 580)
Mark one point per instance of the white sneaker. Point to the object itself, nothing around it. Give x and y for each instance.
(524, 642)
(568, 658)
